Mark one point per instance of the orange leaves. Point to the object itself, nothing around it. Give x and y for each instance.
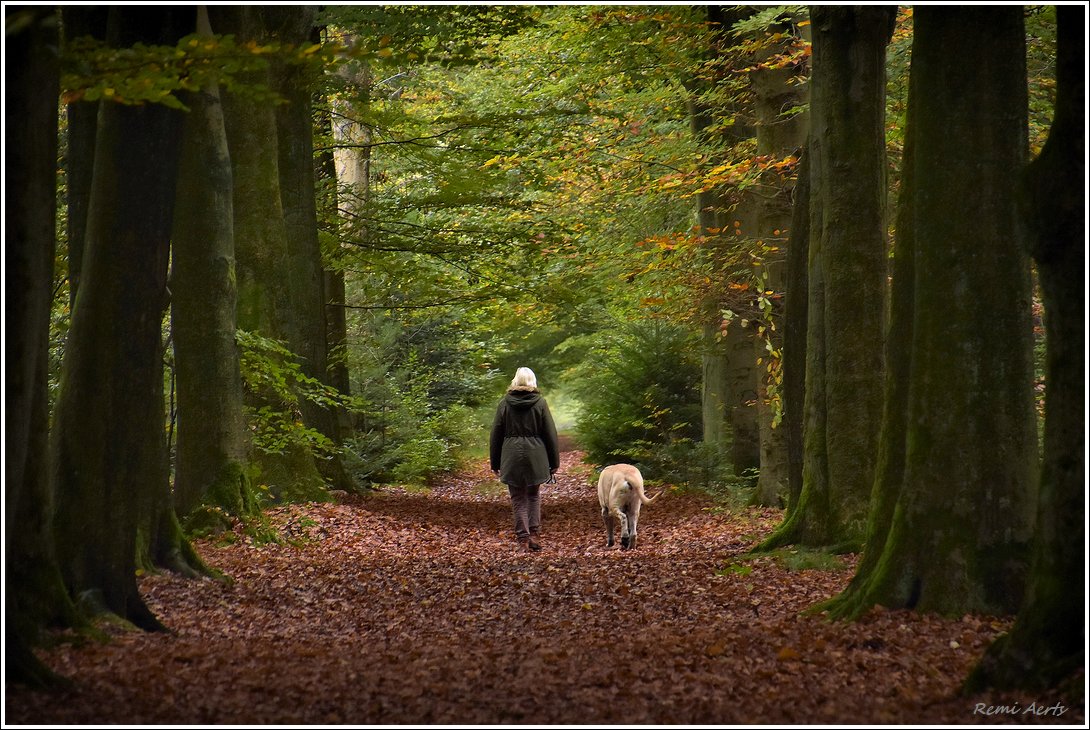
(413, 607)
(729, 174)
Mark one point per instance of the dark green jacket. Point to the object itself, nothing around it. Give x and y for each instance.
(523, 447)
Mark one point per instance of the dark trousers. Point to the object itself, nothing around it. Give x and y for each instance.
(526, 502)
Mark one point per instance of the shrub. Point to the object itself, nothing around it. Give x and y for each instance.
(640, 390)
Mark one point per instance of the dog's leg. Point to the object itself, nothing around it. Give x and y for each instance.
(622, 519)
(633, 519)
(609, 526)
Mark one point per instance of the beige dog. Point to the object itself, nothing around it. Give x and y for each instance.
(620, 494)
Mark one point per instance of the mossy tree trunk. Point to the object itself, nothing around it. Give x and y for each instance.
(109, 447)
(953, 513)
(213, 446)
(295, 137)
(846, 277)
(1046, 645)
(261, 240)
(34, 594)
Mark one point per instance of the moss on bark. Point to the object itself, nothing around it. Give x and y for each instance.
(1046, 646)
(952, 513)
(846, 278)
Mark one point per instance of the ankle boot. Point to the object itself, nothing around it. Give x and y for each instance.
(533, 543)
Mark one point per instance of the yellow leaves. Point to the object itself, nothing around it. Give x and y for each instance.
(716, 649)
(506, 161)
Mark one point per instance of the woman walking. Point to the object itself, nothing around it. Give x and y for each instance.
(524, 452)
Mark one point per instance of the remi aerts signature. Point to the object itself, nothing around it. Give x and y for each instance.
(1034, 708)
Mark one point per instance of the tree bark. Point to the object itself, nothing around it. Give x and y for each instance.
(729, 381)
(957, 479)
(261, 241)
(213, 444)
(847, 278)
(295, 137)
(777, 137)
(109, 447)
(1046, 644)
(34, 592)
(80, 21)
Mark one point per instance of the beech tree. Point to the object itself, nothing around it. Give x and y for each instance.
(729, 378)
(952, 516)
(212, 460)
(34, 595)
(1046, 644)
(263, 260)
(80, 21)
(846, 277)
(295, 142)
(781, 133)
(108, 443)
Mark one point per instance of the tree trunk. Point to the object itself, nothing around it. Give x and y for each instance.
(349, 168)
(336, 312)
(777, 137)
(80, 21)
(890, 473)
(729, 382)
(109, 447)
(847, 278)
(957, 479)
(1045, 647)
(295, 137)
(34, 593)
(794, 331)
(213, 444)
(261, 241)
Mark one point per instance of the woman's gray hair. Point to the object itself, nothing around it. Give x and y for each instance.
(524, 380)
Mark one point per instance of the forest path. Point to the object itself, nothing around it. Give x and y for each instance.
(414, 607)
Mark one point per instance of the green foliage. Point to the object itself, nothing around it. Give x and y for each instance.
(418, 376)
(640, 389)
(150, 74)
(272, 373)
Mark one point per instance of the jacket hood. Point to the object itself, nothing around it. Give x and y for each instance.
(522, 398)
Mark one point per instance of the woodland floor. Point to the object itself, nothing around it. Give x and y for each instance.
(413, 607)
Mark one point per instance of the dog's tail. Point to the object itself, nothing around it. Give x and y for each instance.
(643, 495)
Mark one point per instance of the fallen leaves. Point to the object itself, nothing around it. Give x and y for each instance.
(409, 607)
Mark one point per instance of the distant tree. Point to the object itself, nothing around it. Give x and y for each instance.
(846, 278)
(952, 514)
(795, 317)
(729, 378)
(34, 595)
(1047, 642)
(781, 133)
(108, 442)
